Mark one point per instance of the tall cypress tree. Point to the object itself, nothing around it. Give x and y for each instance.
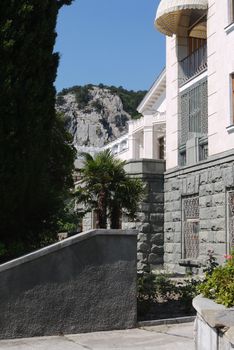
(35, 157)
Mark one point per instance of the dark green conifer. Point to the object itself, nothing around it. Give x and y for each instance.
(36, 159)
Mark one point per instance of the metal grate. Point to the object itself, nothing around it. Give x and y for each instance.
(194, 112)
(191, 227)
(231, 218)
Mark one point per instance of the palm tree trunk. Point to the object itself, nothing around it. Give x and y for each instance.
(102, 210)
(115, 217)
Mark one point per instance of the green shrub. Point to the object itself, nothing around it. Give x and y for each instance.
(146, 286)
(219, 285)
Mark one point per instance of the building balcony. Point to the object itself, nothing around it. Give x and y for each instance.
(171, 13)
(193, 65)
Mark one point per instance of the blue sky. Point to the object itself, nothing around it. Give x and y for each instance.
(113, 42)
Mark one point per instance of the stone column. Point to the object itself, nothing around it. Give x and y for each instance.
(150, 218)
(132, 147)
(148, 142)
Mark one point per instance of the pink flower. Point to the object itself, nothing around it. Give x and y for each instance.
(228, 257)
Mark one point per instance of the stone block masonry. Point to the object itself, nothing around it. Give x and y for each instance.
(150, 218)
(212, 181)
(85, 283)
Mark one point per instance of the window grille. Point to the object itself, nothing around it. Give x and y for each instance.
(194, 112)
(231, 218)
(191, 227)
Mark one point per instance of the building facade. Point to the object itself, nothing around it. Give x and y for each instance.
(199, 177)
(143, 149)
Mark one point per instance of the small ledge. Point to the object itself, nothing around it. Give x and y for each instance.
(229, 28)
(230, 129)
(189, 263)
(215, 315)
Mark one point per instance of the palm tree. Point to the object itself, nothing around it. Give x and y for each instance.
(106, 187)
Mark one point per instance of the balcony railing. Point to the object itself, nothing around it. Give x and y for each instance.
(193, 64)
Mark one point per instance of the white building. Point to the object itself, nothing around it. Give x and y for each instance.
(199, 181)
(146, 136)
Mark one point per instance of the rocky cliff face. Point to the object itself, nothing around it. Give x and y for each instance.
(94, 115)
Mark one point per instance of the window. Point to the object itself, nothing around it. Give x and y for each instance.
(191, 227)
(194, 112)
(231, 11)
(161, 148)
(182, 158)
(232, 99)
(231, 218)
(203, 150)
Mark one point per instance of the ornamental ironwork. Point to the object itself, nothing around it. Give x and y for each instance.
(194, 112)
(191, 227)
(231, 218)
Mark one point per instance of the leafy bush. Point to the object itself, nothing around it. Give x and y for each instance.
(219, 284)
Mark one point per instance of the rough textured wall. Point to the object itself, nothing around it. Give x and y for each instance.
(210, 180)
(150, 217)
(82, 284)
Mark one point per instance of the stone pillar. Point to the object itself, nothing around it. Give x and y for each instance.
(148, 142)
(132, 146)
(150, 218)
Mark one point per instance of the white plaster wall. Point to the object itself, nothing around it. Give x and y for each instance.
(220, 66)
(206, 338)
(171, 103)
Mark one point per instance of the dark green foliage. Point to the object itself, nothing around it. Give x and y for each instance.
(130, 99)
(60, 100)
(97, 104)
(157, 290)
(83, 96)
(219, 283)
(35, 157)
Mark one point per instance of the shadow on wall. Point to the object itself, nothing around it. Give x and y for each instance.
(84, 283)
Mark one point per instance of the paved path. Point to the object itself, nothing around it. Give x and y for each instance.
(166, 337)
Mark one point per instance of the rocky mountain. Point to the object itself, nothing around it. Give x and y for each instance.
(97, 115)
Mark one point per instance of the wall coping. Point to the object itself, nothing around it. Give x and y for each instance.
(213, 160)
(146, 160)
(216, 316)
(63, 244)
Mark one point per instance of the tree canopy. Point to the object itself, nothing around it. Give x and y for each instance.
(106, 188)
(36, 159)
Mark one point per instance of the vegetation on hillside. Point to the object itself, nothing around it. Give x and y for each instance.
(130, 99)
(36, 159)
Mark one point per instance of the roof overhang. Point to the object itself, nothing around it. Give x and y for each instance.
(169, 13)
(155, 92)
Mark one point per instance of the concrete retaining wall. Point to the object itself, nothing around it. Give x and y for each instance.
(82, 284)
(214, 325)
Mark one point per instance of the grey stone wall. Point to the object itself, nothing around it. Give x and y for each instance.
(150, 217)
(82, 284)
(210, 180)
